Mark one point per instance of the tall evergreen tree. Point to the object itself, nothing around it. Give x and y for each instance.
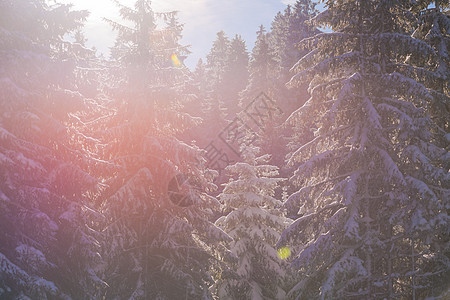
(261, 69)
(374, 201)
(202, 85)
(199, 107)
(298, 28)
(156, 237)
(433, 28)
(174, 31)
(236, 73)
(254, 223)
(263, 76)
(47, 249)
(287, 30)
(216, 65)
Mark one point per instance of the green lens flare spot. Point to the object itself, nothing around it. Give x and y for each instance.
(284, 252)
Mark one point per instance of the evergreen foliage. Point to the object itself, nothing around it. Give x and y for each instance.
(254, 222)
(287, 30)
(236, 73)
(47, 249)
(374, 198)
(156, 247)
(262, 64)
(216, 64)
(104, 189)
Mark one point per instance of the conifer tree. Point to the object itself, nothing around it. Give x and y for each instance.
(174, 31)
(374, 198)
(433, 28)
(236, 73)
(254, 222)
(216, 65)
(261, 69)
(202, 85)
(263, 76)
(47, 249)
(298, 28)
(199, 107)
(287, 30)
(160, 244)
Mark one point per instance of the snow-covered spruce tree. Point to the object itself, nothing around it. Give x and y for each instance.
(434, 28)
(263, 74)
(200, 82)
(216, 66)
(254, 222)
(199, 105)
(374, 198)
(47, 249)
(236, 74)
(175, 33)
(157, 246)
(262, 70)
(212, 116)
(287, 30)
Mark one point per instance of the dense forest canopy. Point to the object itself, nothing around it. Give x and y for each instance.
(313, 164)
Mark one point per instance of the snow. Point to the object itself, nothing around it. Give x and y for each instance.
(30, 252)
(5, 159)
(351, 226)
(69, 215)
(392, 171)
(26, 115)
(43, 218)
(10, 89)
(30, 164)
(3, 197)
(405, 120)
(11, 270)
(323, 244)
(371, 114)
(408, 86)
(337, 218)
(4, 134)
(374, 175)
(23, 279)
(345, 265)
(45, 284)
(422, 188)
(324, 66)
(317, 160)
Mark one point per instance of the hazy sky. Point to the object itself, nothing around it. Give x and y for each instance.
(202, 19)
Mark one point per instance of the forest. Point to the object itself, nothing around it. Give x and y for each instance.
(313, 164)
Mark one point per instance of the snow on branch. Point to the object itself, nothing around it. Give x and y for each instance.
(408, 86)
(317, 161)
(324, 67)
(392, 170)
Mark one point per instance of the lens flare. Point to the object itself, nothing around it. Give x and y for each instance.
(284, 252)
(175, 61)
